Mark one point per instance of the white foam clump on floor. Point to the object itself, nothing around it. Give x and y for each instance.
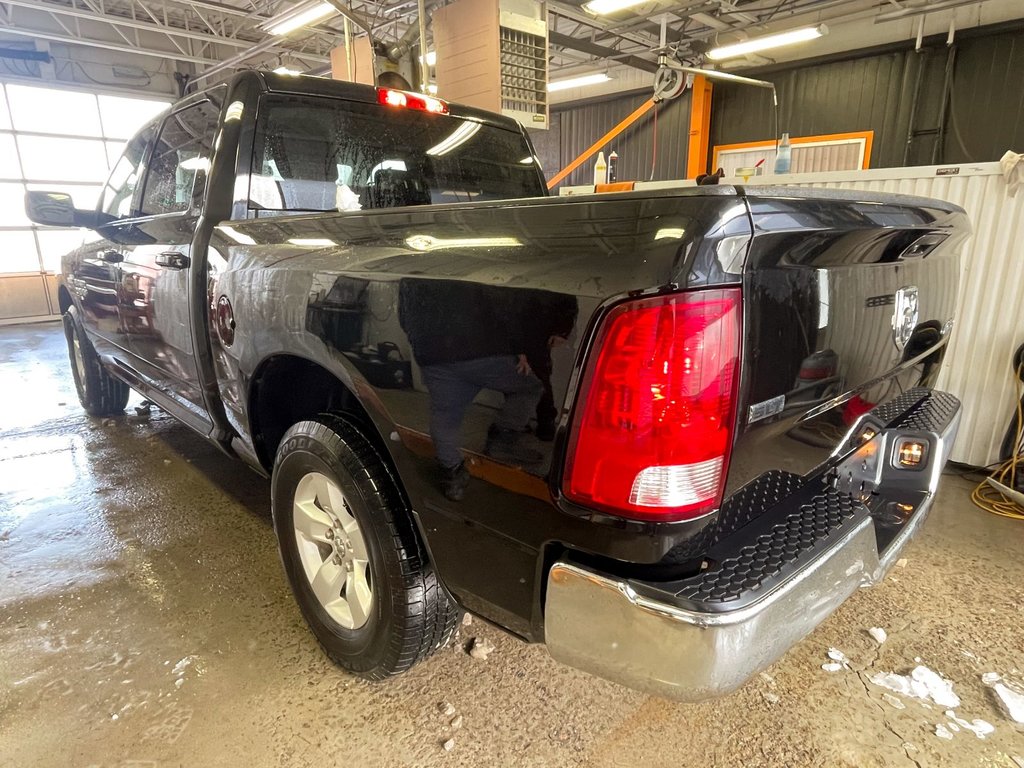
(878, 635)
(979, 728)
(1010, 695)
(921, 683)
(943, 733)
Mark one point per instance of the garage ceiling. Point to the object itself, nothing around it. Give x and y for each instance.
(215, 36)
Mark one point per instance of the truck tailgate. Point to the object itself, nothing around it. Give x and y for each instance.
(848, 302)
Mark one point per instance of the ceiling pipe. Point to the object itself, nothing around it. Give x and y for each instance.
(407, 41)
(424, 66)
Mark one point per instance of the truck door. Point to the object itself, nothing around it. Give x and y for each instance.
(154, 295)
(96, 273)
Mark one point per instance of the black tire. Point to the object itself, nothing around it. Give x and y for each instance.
(100, 393)
(411, 615)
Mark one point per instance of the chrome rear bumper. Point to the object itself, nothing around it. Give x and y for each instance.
(783, 574)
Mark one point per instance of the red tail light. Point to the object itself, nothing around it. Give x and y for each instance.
(392, 98)
(652, 432)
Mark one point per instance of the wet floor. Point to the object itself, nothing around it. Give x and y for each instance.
(145, 621)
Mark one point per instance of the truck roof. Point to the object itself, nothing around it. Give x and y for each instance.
(306, 85)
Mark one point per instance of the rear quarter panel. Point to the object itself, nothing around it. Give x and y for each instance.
(329, 288)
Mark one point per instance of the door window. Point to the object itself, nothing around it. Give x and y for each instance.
(181, 159)
(120, 187)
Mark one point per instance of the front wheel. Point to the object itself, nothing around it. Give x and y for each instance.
(352, 554)
(100, 393)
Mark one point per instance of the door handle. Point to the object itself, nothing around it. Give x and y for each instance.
(112, 256)
(173, 260)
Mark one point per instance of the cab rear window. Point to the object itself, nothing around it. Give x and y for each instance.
(334, 155)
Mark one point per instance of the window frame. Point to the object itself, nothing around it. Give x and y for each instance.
(198, 195)
(141, 172)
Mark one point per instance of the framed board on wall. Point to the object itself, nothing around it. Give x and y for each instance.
(811, 154)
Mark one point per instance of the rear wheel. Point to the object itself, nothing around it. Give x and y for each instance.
(352, 554)
(100, 393)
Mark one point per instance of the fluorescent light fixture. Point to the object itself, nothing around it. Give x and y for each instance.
(801, 35)
(296, 17)
(578, 82)
(458, 137)
(603, 7)
(430, 243)
(431, 58)
(312, 242)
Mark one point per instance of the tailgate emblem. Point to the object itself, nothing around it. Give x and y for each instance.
(904, 317)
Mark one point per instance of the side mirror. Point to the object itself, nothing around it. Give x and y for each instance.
(55, 209)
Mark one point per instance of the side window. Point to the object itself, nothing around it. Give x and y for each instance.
(180, 159)
(120, 187)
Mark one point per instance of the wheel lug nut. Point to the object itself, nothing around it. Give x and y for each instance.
(330, 533)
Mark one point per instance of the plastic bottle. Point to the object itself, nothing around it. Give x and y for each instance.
(601, 170)
(613, 162)
(784, 155)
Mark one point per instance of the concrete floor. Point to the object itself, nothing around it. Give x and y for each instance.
(145, 621)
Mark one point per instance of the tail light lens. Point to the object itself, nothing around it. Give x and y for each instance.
(652, 431)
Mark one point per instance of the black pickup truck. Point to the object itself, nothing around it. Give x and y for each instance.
(666, 433)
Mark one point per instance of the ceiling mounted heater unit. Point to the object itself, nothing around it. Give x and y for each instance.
(493, 54)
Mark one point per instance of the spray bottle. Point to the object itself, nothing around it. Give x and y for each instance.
(613, 164)
(785, 154)
(601, 170)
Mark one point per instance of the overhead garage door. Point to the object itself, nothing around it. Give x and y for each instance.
(52, 138)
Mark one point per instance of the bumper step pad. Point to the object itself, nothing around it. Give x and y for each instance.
(776, 523)
(766, 552)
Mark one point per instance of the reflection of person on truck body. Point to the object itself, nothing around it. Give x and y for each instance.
(483, 345)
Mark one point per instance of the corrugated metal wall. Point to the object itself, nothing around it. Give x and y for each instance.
(977, 367)
(986, 110)
(987, 114)
(575, 127)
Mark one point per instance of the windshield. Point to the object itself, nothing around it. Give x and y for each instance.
(316, 154)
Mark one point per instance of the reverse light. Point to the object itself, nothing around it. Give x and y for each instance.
(395, 98)
(652, 431)
(909, 454)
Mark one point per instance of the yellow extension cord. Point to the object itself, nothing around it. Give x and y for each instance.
(991, 499)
